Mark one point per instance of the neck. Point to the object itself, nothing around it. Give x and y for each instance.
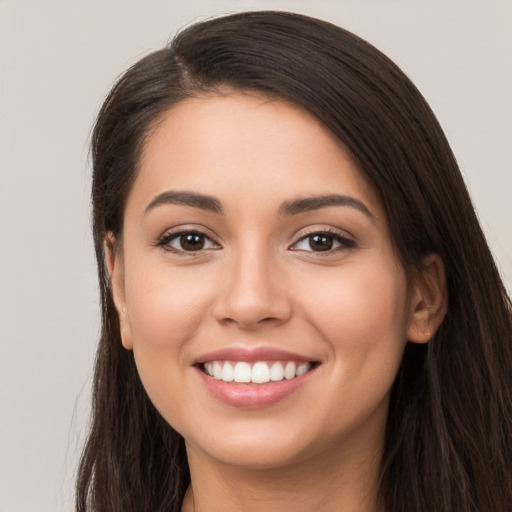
(340, 480)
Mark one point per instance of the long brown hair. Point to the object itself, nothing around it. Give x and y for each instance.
(449, 431)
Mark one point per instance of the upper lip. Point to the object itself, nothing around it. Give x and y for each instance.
(251, 355)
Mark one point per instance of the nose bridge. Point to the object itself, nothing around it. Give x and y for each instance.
(253, 291)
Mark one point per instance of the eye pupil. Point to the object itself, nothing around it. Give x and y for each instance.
(192, 242)
(321, 242)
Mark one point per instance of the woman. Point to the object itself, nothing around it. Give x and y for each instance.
(300, 311)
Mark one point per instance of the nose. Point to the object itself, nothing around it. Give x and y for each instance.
(252, 293)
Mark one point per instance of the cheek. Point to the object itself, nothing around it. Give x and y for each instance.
(361, 314)
(165, 307)
(164, 304)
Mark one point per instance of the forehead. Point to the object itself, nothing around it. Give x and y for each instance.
(246, 145)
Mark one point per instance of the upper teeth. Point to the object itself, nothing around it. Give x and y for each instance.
(258, 373)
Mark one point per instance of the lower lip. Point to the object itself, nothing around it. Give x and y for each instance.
(252, 395)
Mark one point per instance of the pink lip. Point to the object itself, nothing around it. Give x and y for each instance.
(252, 395)
(251, 355)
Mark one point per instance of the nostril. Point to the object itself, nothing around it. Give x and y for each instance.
(251, 304)
(249, 324)
(269, 319)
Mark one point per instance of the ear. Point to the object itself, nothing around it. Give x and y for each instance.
(429, 300)
(114, 264)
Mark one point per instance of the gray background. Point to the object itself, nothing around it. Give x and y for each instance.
(57, 61)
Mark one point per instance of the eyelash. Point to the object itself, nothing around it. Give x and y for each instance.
(345, 242)
(163, 242)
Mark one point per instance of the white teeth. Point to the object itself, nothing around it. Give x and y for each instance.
(276, 372)
(208, 368)
(302, 369)
(243, 372)
(259, 373)
(227, 372)
(217, 370)
(289, 371)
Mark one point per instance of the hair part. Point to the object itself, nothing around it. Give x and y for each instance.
(448, 438)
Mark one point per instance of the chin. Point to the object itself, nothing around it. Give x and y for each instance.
(260, 453)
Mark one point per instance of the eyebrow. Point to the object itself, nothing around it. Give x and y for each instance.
(201, 201)
(308, 204)
(294, 207)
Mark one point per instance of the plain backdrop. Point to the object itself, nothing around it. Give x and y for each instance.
(57, 62)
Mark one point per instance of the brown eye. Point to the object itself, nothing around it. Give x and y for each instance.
(187, 242)
(192, 242)
(320, 242)
(323, 241)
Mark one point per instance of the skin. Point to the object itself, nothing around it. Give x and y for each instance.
(257, 282)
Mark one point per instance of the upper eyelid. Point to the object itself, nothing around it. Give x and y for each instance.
(177, 230)
(312, 230)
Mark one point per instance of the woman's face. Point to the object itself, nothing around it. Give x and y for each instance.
(254, 249)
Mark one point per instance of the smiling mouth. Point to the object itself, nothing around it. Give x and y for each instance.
(259, 372)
